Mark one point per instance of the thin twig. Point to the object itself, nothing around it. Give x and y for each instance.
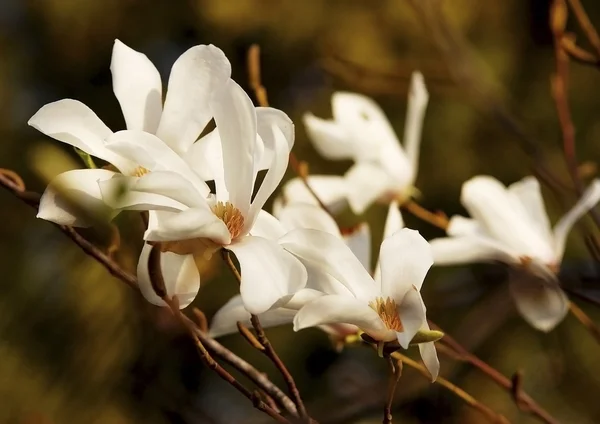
(577, 53)
(436, 219)
(268, 350)
(395, 374)
(586, 25)
(584, 319)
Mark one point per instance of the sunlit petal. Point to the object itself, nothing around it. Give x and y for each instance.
(306, 215)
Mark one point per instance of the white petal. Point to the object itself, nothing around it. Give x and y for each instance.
(205, 157)
(277, 142)
(393, 223)
(430, 358)
(461, 226)
(330, 189)
(74, 198)
(528, 193)
(488, 201)
(236, 122)
(270, 275)
(543, 304)
(330, 255)
(266, 117)
(306, 215)
(196, 76)
(412, 314)
(561, 230)
(405, 259)
(267, 226)
(72, 122)
(337, 309)
(329, 138)
(359, 242)
(395, 164)
(179, 273)
(366, 182)
(418, 97)
(190, 224)
(152, 153)
(137, 86)
(470, 249)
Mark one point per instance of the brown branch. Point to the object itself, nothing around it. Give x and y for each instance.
(584, 319)
(586, 25)
(395, 374)
(268, 349)
(436, 219)
(577, 53)
(522, 399)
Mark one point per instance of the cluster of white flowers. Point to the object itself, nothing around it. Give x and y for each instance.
(296, 266)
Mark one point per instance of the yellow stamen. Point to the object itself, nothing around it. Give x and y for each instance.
(231, 216)
(388, 312)
(139, 171)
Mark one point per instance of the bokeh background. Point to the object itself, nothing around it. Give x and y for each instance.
(77, 346)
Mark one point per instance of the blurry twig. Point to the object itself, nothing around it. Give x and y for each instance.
(586, 25)
(522, 399)
(584, 319)
(260, 92)
(436, 219)
(268, 350)
(395, 374)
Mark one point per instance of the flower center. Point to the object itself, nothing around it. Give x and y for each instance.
(388, 312)
(231, 216)
(140, 171)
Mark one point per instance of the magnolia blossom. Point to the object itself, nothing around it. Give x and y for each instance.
(510, 224)
(298, 215)
(389, 308)
(190, 220)
(383, 170)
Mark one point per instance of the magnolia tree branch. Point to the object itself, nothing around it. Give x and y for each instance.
(586, 25)
(395, 374)
(13, 183)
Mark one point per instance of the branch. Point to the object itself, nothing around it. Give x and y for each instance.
(586, 25)
(395, 374)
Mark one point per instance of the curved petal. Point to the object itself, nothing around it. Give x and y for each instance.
(488, 201)
(205, 157)
(236, 122)
(74, 198)
(267, 226)
(405, 259)
(152, 153)
(588, 200)
(190, 224)
(412, 314)
(266, 118)
(306, 215)
(331, 189)
(196, 76)
(359, 242)
(72, 122)
(337, 309)
(470, 249)
(528, 193)
(542, 304)
(418, 97)
(330, 255)
(366, 182)
(137, 86)
(179, 273)
(270, 275)
(429, 356)
(329, 138)
(461, 226)
(393, 223)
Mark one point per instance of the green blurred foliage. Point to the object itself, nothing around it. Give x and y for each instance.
(77, 346)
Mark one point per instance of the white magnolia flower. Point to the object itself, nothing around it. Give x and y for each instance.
(195, 76)
(298, 215)
(189, 220)
(383, 170)
(511, 225)
(387, 309)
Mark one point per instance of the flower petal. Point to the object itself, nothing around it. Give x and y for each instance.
(405, 259)
(329, 138)
(74, 198)
(179, 273)
(412, 314)
(528, 193)
(267, 226)
(429, 355)
(393, 223)
(236, 122)
(306, 215)
(543, 304)
(72, 122)
(470, 249)
(366, 182)
(330, 255)
(330, 189)
(588, 200)
(418, 97)
(359, 242)
(270, 275)
(338, 309)
(137, 86)
(266, 118)
(205, 157)
(193, 223)
(461, 226)
(197, 75)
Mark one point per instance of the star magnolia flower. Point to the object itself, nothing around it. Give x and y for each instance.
(298, 215)
(511, 225)
(189, 220)
(387, 309)
(359, 130)
(195, 76)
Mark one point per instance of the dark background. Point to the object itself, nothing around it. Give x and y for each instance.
(78, 346)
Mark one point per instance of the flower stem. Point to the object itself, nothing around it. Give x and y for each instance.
(584, 318)
(436, 219)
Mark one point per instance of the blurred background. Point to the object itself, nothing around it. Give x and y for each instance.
(78, 346)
